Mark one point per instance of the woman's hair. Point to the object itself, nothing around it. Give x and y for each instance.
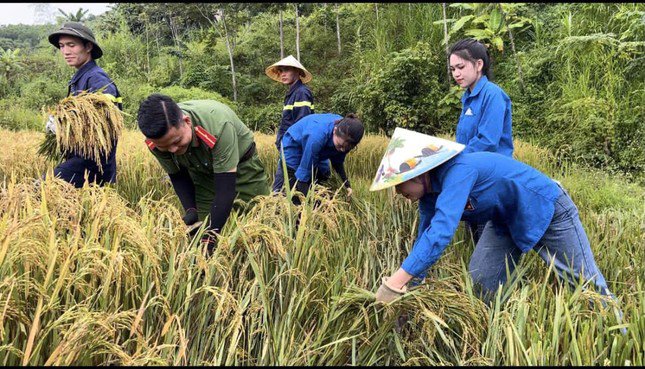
(471, 50)
(350, 128)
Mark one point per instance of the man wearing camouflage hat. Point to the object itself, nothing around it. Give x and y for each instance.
(78, 46)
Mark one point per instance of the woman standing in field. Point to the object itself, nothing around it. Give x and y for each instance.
(79, 48)
(485, 120)
(522, 208)
(315, 140)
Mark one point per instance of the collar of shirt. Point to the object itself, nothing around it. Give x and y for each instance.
(330, 136)
(195, 139)
(437, 174)
(84, 69)
(478, 87)
(294, 86)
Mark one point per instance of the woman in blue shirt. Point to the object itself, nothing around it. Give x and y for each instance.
(522, 208)
(485, 120)
(313, 141)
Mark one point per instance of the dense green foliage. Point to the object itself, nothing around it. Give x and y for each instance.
(575, 72)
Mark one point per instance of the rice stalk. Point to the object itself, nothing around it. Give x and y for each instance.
(88, 124)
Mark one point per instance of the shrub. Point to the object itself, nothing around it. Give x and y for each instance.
(264, 118)
(195, 93)
(405, 92)
(14, 116)
(42, 92)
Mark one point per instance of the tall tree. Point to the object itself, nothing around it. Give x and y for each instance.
(512, 23)
(227, 18)
(229, 48)
(281, 37)
(274, 8)
(337, 27)
(174, 30)
(446, 39)
(297, 34)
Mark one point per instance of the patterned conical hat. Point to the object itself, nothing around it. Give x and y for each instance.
(410, 154)
(289, 61)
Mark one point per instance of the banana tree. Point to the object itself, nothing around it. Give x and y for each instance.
(9, 62)
(79, 16)
(489, 22)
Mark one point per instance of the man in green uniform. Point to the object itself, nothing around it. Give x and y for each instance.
(208, 153)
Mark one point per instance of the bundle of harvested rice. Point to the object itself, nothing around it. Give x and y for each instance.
(87, 124)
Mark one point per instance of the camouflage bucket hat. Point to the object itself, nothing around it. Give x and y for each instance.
(79, 30)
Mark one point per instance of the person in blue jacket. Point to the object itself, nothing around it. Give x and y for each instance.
(522, 208)
(485, 123)
(298, 102)
(314, 141)
(80, 50)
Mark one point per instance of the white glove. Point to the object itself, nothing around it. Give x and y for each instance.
(50, 126)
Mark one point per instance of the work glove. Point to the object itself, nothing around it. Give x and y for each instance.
(323, 178)
(191, 221)
(387, 294)
(349, 192)
(190, 217)
(303, 187)
(50, 125)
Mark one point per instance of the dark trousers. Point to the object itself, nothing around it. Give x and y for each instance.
(74, 167)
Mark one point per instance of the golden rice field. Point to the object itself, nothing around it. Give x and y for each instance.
(106, 276)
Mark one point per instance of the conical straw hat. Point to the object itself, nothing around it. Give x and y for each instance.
(410, 154)
(289, 61)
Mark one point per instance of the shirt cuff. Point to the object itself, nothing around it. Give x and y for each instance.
(301, 177)
(415, 266)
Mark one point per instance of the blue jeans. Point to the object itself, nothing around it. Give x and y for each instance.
(476, 230)
(564, 240)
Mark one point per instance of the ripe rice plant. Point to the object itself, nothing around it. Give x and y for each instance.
(107, 276)
(88, 124)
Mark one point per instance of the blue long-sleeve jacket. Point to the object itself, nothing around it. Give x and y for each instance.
(485, 121)
(298, 103)
(479, 187)
(309, 144)
(92, 78)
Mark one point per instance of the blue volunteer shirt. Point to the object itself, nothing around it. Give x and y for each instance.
(485, 120)
(479, 187)
(310, 141)
(298, 103)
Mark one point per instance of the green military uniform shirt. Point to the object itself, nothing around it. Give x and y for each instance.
(220, 139)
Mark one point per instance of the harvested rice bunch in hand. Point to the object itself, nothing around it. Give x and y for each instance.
(87, 124)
